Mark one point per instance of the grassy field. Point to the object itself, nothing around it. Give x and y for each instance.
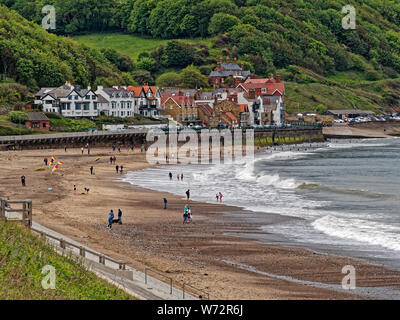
(22, 257)
(131, 45)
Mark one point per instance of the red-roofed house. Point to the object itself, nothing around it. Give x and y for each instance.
(265, 99)
(147, 99)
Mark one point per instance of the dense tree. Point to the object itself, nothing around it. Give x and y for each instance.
(222, 22)
(142, 76)
(168, 79)
(191, 77)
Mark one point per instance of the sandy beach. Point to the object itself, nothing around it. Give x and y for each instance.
(153, 237)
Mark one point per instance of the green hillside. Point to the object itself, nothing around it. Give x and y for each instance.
(129, 44)
(22, 257)
(35, 58)
(323, 63)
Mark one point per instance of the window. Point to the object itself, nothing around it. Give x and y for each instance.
(87, 97)
(122, 113)
(49, 102)
(76, 97)
(94, 97)
(95, 105)
(77, 106)
(86, 106)
(69, 97)
(264, 90)
(113, 105)
(44, 125)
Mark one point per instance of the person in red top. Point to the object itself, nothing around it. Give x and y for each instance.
(45, 161)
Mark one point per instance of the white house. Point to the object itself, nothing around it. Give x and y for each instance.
(68, 101)
(117, 102)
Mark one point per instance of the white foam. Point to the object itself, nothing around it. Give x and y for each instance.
(371, 232)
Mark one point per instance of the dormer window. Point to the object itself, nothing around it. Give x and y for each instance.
(264, 90)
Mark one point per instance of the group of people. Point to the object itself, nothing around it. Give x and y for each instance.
(219, 196)
(187, 214)
(85, 188)
(111, 219)
(178, 176)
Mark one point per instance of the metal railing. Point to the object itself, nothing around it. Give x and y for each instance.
(159, 273)
(82, 251)
(195, 289)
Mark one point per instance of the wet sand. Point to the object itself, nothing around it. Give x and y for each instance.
(152, 237)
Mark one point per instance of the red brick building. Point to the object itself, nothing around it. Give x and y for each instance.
(38, 121)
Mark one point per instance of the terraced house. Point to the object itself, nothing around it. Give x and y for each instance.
(68, 101)
(117, 102)
(147, 99)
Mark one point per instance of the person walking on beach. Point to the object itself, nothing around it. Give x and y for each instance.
(111, 160)
(170, 176)
(121, 169)
(188, 194)
(119, 216)
(45, 161)
(82, 150)
(220, 197)
(74, 188)
(177, 176)
(189, 214)
(217, 196)
(114, 159)
(185, 214)
(23, 181)
(110, 219)
(181, 176)
(88, 150)
(165, 203)
(91, 170)
(117, 168)
(65, 149)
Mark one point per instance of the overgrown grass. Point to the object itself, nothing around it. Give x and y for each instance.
(22, 257)
(346, 93)
(129, 44)
(66, 124)
(12, 131)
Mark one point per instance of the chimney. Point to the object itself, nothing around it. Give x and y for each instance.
(242, 66)
(89, 87)
(278, 78)
(99, 86)
(234, 59)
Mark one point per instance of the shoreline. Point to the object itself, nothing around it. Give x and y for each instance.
(153, 237)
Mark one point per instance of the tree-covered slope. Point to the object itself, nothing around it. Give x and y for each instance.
(273, 33)
(33, 57)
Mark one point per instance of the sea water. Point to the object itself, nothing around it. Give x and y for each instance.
(344, 195)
